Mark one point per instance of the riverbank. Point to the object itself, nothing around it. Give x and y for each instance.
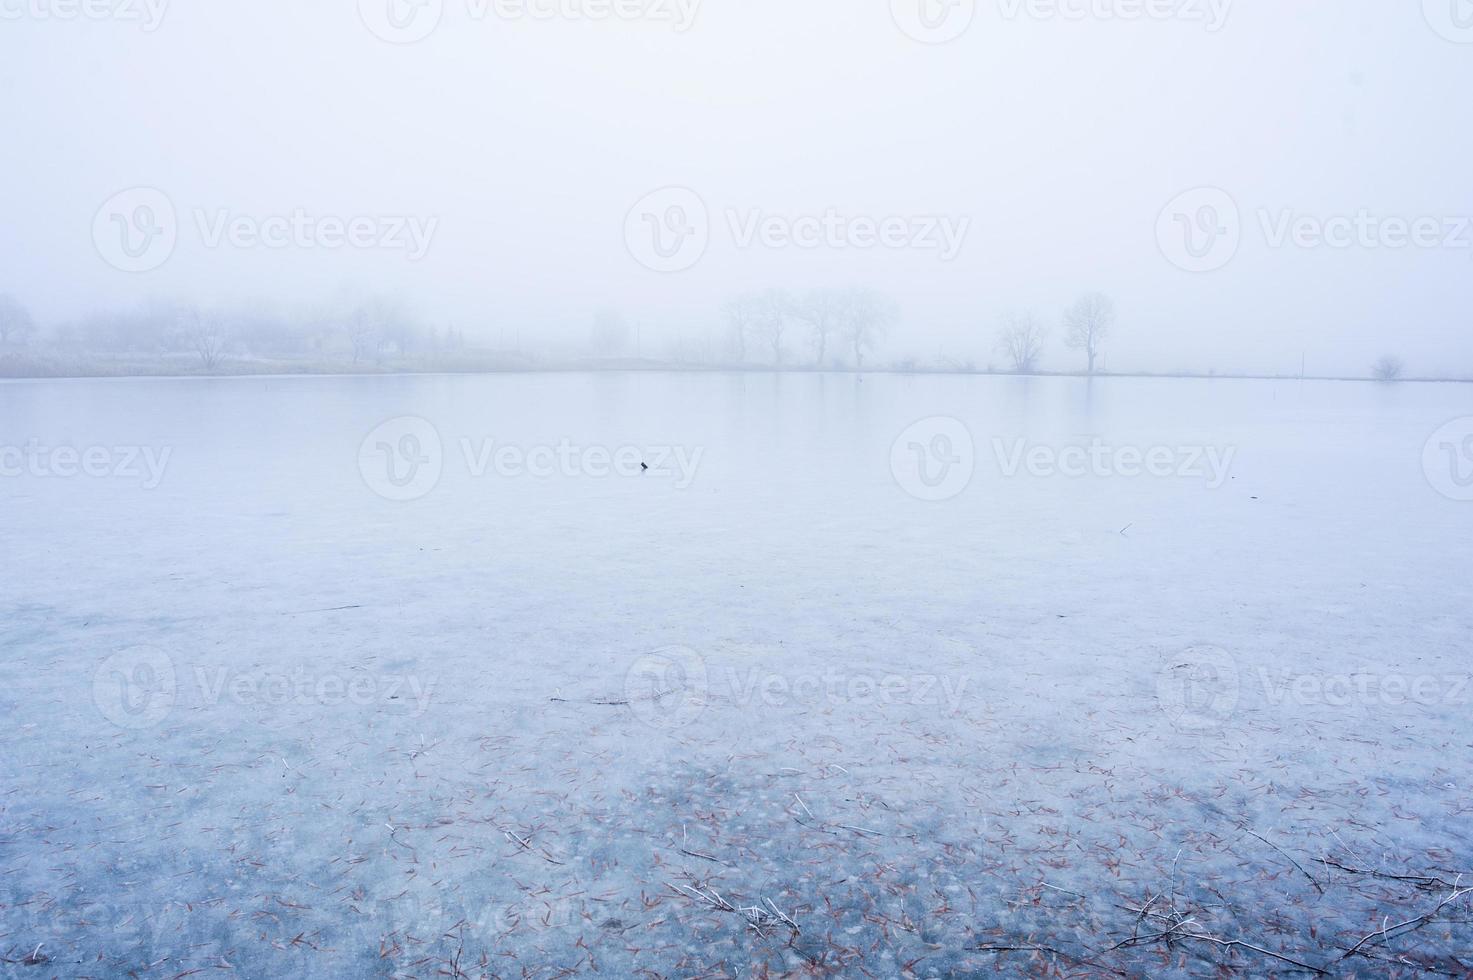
(41, 365)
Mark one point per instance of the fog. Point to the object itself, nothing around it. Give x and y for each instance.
(501, 168)
(758, 488)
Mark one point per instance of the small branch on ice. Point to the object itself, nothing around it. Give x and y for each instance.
(758, 918)
(393, 830)
(1429, 882)
(1002, 948)
(526, 845)
(614, 702)
(1287, 857)
(1177, 930)
(34, 958)
(1410, 925)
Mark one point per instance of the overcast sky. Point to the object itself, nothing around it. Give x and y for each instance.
(501, 165)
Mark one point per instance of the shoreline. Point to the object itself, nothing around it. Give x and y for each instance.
(279, 369)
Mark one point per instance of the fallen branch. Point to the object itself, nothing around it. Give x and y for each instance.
(758, 918)
(998, 948)
(1411, 925)
(1289, 858)
(611, 701)
(526, 845)
(1421, 881)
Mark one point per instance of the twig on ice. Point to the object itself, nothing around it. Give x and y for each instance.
(1291, 860)
(1421, 881)
(1411, 925)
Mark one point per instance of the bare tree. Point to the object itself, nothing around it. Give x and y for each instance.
(823, 311)
(1087, 325)
(742, 316)
(1387, 369)
(773, 306)
(867, 315)
(376, 325)
(611, 333)
(204, 335)
(262, 333)
(1022, 341)
(362, 333)
(15, 319)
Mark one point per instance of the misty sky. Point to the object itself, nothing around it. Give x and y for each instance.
(1058, 139)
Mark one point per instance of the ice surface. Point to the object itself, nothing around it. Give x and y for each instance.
(260, 715)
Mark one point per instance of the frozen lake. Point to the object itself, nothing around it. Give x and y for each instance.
(404, 676)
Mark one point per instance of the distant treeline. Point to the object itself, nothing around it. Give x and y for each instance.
(821, 329)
